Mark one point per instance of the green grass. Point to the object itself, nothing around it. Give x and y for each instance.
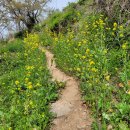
(86, 45)
(26, 89)
(97, 53)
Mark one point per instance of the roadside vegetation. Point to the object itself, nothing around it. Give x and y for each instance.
(95, 49)
(26, 86)
(89, 45)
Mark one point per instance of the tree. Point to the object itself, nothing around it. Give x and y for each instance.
(22, 12)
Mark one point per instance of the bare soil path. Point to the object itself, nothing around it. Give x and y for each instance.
(71, 113)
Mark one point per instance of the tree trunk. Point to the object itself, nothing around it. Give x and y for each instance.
(30, 24)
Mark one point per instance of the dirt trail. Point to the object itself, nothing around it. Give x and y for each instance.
(71, 113)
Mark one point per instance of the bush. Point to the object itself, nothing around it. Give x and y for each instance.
(59, 22)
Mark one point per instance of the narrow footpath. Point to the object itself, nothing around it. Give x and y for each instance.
(71, 112)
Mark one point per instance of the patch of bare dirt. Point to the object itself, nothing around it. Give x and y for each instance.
(71, 113)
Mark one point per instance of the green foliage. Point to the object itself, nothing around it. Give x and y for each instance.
(60, 21)
(26, 89)
(92, 48)
(97, 53)
(81, 2)
(15, 46)
(38, 27)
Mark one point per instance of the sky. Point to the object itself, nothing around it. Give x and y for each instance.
(59, 4)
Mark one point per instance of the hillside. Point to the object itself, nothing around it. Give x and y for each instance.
(88, 45)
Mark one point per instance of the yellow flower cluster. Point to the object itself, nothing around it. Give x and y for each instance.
(17, 82)
(29, 85)
(91, 62)
(32, 41)
(124, 46)
(114, 26)
(29, 67)
(99, 23)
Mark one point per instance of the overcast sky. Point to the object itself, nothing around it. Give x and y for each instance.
(60, 4)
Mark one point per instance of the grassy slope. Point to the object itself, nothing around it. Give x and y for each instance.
(25, 86)
(87, 46)
(96, 51)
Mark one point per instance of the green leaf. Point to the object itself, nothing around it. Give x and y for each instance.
(1, 113)
(106, 116)
(123, 126)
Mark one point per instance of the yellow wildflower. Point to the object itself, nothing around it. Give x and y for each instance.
(121, 35)
(116, 69)
(10, 128)
(25, 54)
(56, 39)
(43, 115)
(78, 69)
(100, 21)
(19, 88)
(43, 50)
(30, 86)
(91, 63)
(28, 75)
(121, 27)
(29, 67)
(87, 51)
(129, 92)
(107, 28)
(107, 77)
(94, 25)
(114, 29)
(31, 103)
(68, 40)
(79, 44)
(94, 70)
(29, 83)
(84, 41)
(38, 84)
(124, 46)
(26, 79)
(78, 14)
(113, 33)
(16, 82)
(115, 25)
(83, 57)
(32, 67)
(105, 51)
(86, 26)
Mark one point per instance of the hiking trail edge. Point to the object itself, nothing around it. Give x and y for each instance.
(71, 112)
